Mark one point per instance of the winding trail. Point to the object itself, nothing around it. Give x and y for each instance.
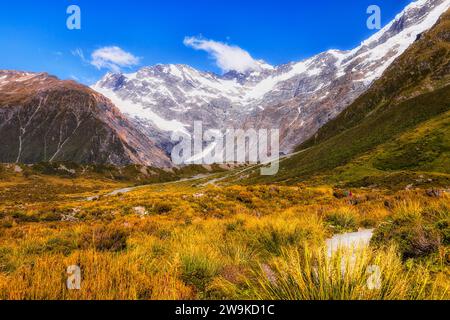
(130, 189)
(213, 181)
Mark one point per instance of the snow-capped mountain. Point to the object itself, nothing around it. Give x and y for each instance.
(298, 97)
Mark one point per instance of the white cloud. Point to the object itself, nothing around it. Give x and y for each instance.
(113, 58)
(228, 57)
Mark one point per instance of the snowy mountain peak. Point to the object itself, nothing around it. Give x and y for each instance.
(298, 97)
(377, 53)
(417, 17)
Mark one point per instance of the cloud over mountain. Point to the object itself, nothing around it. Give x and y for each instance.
(113, 58)
(227, 57)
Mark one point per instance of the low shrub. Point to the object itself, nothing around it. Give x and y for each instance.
(104, 238)
(50, 217)
(234, 225)
(23, 217)
(63, 245)
(418, 231)
(162, 208)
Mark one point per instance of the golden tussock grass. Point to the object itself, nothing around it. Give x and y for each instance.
(259, 242)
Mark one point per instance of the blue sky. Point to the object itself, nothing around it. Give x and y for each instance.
(34, 36)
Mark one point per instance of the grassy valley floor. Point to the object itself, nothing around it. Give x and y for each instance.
(196, 240)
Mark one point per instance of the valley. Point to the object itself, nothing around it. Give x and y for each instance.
(194, 240)
(358, 208)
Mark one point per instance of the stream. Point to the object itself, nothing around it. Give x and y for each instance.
(352, 240)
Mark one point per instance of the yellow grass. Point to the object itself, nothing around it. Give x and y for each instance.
(262, 242)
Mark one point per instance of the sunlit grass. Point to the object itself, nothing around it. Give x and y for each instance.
(310, 274)
(260, 242)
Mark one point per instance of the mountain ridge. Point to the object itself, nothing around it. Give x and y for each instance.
(297, 97)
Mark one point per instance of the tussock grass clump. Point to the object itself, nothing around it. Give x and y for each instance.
(198, 270)
(293, 227)
(310, 274)
(195, 253)
(343, 219)
(371, 216)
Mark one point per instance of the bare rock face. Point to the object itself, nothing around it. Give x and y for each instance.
(298, 98)
(45, 119)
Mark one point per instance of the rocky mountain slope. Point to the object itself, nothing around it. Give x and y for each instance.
(45, 119)
(298, 97)
(397, 132)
